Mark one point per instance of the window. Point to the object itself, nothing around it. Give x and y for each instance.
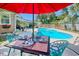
(5, 19)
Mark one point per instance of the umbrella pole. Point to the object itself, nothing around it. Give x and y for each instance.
(33, 24)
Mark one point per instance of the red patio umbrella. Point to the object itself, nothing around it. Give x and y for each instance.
(33, 8)
(36, 8)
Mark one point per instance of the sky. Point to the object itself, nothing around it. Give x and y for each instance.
(59, 12)
(30, 16)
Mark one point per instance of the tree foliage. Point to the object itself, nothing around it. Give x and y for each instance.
(22, 23)
(47, 18)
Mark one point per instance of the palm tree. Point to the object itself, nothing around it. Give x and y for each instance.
(73, 10)
(64, 17)
(70, 15)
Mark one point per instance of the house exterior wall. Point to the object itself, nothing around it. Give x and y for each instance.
(12, 22)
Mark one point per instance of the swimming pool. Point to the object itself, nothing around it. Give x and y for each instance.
(54, 34)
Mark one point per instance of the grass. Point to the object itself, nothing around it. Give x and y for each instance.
(1, 40)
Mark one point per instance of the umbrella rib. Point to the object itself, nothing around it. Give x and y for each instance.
(39, 8)
(24, 7)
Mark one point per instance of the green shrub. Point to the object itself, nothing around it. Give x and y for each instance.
(1, 39)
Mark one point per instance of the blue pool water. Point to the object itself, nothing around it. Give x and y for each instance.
(53, 34)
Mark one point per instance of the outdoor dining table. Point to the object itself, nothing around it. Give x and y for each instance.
(38, 48)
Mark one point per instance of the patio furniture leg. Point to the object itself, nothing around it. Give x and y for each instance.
(21, 53)
(9, 52)
(14, 50)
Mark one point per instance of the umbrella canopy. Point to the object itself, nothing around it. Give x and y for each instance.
(36, 8)
(33, 8)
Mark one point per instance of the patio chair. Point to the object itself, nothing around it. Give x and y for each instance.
(57, 47)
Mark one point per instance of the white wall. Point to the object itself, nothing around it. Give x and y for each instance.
(77, 26)
(69, 26)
